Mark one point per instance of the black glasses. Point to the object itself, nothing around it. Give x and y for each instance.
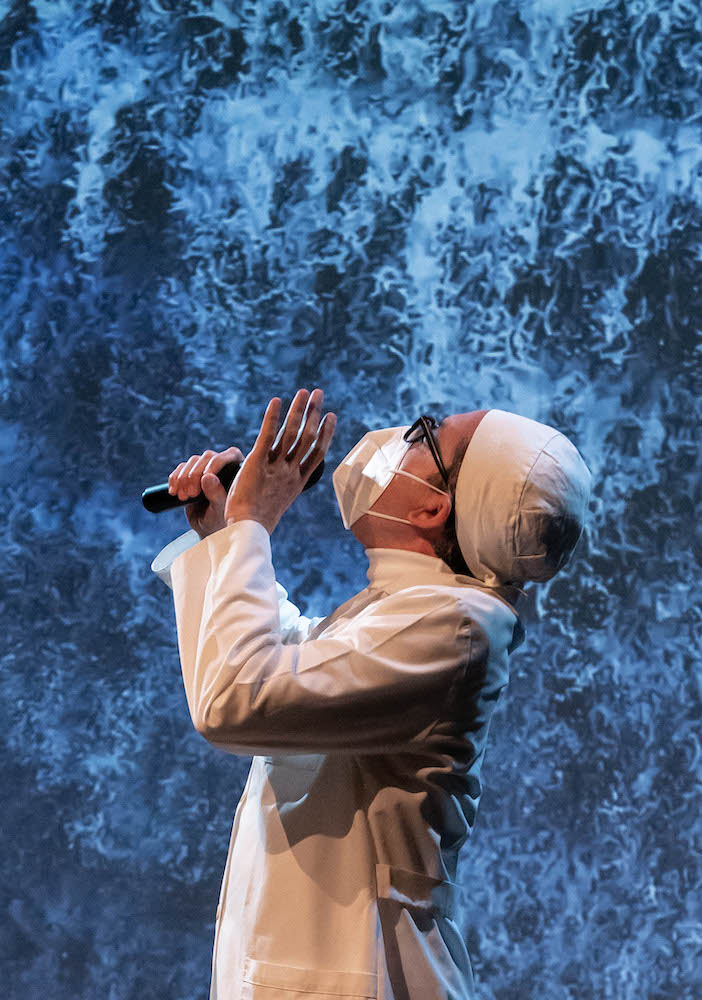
(423, 430)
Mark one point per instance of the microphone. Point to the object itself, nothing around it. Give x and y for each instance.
(157, 498)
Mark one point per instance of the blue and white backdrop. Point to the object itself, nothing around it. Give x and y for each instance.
(416, 205)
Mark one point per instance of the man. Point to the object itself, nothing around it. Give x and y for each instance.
(368, 727)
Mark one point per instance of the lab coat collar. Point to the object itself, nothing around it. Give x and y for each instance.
(392, 569)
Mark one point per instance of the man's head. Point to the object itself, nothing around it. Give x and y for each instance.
(432, 530)
(509, 508)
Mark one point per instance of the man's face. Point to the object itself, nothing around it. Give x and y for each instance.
(403, 494)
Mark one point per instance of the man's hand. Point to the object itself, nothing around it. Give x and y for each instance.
(277, 468)
(186, 480)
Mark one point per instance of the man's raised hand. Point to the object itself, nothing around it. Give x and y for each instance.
(281, 461)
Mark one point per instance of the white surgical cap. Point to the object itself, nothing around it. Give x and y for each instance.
(521, 500)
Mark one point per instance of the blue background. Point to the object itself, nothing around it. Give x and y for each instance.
(416, 206)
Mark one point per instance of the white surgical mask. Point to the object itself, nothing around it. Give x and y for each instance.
(361, 477)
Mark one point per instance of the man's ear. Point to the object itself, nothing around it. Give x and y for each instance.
(432, 514)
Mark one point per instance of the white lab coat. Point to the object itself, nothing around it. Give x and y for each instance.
(367, 730)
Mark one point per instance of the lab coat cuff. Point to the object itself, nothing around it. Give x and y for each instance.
(161, 565)
(240, 559)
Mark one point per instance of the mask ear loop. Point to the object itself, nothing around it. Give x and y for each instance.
(387, 517)
(401, 472)
(403, 520)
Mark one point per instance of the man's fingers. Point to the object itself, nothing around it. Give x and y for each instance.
(290, 428)
(223, 458)
(185, 480)
(212, 488)
(310, 426)
(303, 433)
(269, 427)
(320, 446)
(193, 472)
(173, 478)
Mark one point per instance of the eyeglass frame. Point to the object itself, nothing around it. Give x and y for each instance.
(428, 424)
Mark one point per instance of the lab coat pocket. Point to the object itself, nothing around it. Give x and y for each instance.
(269, 981)
(417, 890)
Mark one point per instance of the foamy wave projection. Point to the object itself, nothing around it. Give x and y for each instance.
(417, 206)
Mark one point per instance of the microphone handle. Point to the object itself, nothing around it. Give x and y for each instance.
(157, 498)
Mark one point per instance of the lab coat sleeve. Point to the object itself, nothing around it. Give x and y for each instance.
(378, 684)
(294, 626)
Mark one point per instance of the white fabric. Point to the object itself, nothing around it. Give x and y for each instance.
(363, 475)
(292, 623)
(368, 730)
(521, 500)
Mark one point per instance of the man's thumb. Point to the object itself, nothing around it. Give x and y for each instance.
(211, 486)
